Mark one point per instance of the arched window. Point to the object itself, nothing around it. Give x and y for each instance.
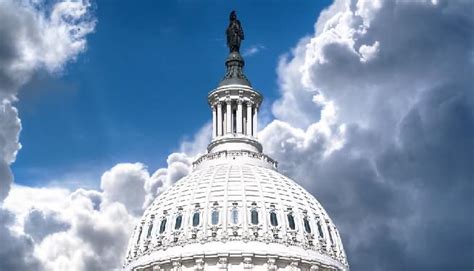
(178, 222)
(273, 218)
(139, 234)
(254, 217)
(320, 230)
(215, 217)
(163, 225)
(307, 227)
(291, 221)
(196, 219)
(150, 228)
(234, 216)
(330, 235)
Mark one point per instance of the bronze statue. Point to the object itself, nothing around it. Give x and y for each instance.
(234, 32)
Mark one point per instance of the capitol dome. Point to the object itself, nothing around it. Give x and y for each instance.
(235, 211)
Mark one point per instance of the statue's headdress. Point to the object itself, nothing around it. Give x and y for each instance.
(233, 15)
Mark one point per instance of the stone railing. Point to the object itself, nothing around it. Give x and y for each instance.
(241, 153)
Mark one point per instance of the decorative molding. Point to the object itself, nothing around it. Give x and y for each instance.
(234, 138)
(241, 153)
(247, 94)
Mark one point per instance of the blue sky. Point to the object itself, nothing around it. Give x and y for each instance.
(140, 88)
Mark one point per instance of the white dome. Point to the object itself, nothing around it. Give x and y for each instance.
(235, 211)
(215, 204)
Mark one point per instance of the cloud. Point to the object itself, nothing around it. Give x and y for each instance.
(253, 50)
(197, 145)
(34, 36)
(124, 183)
(389, 154)
(84, 229)
(10, 126)
(132, 185)
(179, 165)
(17, 250)
(96, 237)
(294, 94)
(40, 224)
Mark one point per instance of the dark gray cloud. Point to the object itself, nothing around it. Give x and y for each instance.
(39, 224)
(395, 79)
(16, 251)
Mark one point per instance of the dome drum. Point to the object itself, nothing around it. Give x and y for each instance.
(234, 118)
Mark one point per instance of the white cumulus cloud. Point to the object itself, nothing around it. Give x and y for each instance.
(84, 229)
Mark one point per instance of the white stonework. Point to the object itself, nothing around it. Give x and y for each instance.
(235, 211)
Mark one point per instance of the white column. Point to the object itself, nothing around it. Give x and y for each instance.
(249, 119)
(224, 122)
(239, 116)
(255, 116)
(214, 122)
(229, 117)
(232, 122)
(219, 119)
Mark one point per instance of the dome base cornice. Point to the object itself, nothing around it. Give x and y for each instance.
(234, 142)
(236, 156)
(223, 256)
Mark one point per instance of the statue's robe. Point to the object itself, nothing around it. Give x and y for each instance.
(235, 35)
